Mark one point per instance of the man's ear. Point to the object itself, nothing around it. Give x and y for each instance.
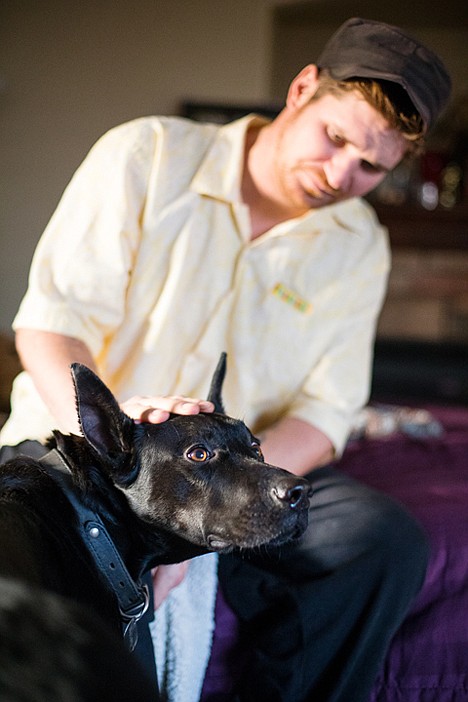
(303, 87)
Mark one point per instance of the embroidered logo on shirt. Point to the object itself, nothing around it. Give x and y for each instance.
(292, 298)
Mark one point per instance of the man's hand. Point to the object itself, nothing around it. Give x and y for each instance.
(165, 578)
(156, 409)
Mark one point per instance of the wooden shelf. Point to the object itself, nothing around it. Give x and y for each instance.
(414, 227)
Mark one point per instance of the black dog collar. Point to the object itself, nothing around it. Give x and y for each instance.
(133, 598)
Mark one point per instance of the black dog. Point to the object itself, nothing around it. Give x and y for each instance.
(91, 517)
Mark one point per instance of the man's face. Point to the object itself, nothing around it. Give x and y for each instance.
(331, 149)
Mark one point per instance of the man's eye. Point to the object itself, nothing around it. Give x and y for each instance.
(199, 454)
(369, 167)
(335, 137)
(257, 449)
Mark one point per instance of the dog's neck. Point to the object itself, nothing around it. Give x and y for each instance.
(131, 595)
(142, 545)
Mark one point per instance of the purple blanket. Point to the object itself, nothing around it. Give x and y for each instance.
(428, 659)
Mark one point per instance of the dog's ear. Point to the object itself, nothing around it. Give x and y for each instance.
(216, 386)
(105, 427)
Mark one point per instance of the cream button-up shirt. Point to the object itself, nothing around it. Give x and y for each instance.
(148, 260)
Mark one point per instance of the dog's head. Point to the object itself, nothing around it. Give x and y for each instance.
(200, 477)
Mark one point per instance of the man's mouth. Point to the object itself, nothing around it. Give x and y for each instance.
(317, 189)
(321, 195)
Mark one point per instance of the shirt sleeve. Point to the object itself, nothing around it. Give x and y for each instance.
(80, 270)
(338, 385)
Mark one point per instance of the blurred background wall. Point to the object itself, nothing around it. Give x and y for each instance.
(71, 69)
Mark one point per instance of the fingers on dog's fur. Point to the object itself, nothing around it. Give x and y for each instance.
(158, 409)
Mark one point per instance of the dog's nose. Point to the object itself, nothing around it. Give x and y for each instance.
(291, 493)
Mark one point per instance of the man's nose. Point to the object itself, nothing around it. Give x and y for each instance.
(338, 172)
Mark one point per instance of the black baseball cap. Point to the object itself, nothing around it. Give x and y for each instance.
(363, 48)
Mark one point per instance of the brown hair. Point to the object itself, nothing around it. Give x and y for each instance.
(387, 98)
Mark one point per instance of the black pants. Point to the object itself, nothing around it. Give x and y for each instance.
(319, 615)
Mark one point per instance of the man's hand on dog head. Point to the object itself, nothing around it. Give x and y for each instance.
(156, 409)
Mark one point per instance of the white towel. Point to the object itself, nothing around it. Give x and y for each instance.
(182, 632)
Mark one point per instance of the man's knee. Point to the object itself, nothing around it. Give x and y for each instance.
(404, 544)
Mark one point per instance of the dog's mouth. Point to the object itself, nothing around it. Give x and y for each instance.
(217, 543)
(285, 538)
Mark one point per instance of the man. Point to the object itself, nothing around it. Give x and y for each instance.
(175, 241)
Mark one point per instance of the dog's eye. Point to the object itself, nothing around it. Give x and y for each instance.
(199, 454)
(257, 449)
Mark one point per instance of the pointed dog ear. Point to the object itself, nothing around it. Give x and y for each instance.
(214, 394)
(105, 427)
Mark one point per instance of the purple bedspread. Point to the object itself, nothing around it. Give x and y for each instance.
(428, 659)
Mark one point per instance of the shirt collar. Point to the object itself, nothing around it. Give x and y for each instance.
(220, 173)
